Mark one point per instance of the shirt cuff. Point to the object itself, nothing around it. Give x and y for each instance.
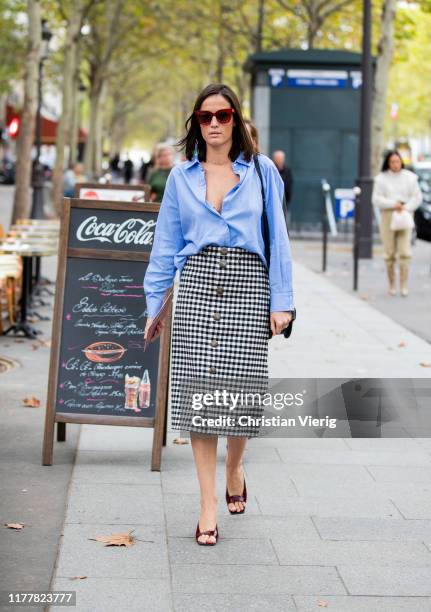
(281, 302)
(153, 305)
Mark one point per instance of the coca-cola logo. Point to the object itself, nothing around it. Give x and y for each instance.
(131, 231)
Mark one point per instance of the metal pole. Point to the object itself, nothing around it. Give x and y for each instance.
(325, 189)
(38, 178)
(356, 235)
(364, 216)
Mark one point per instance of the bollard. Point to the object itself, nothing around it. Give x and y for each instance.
(325, 189)
(356, 235)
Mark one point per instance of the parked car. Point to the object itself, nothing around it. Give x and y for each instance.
(422, 214)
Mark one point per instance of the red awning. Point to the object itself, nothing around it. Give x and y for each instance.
(49, 127)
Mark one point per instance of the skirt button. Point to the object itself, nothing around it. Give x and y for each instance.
(222, 263)
(214, 343)
(216, 316)
(212, 370)
(223, 250)
(219, 290)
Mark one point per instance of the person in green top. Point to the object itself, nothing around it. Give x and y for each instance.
(159, 176)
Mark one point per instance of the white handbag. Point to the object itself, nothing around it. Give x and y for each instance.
(401, 220)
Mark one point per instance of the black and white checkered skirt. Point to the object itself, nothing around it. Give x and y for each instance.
(219, 350)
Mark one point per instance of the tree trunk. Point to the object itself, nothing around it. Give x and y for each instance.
(381, 82)
(260, 24)
(220, 43)
(21, 205)
(117, 134)
(93, 127)
(73, 143)
(65, 122)
(313, 28)
(98, 133)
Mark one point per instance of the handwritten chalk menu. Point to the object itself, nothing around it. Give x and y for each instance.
(99, 372)
(102, 366)
(113, 192)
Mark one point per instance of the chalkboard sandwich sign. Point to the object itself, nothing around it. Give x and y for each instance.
(99, 372)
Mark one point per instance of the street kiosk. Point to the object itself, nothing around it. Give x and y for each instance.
(307, 104)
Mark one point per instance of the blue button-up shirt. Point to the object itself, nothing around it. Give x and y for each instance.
(187, 223)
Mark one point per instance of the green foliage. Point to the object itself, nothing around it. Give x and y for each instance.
(12, 42)
(155, 56)
(410, 85)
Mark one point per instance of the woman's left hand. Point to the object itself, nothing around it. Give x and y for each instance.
(279, 320)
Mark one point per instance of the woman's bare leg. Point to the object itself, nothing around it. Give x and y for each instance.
(205, 454)
(234, 471)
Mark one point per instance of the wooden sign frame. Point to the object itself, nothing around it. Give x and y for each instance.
(158, 422)
(145, 187)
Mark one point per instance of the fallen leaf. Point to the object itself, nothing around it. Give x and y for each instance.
(365, 297)
(425, 364)
(180, 441)
(31, 402)
(14, 525)
(117, 539)
(402, 344)
(322, 604)
(79, 577)
(39, 343)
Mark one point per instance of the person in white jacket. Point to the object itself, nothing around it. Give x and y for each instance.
(396, 188)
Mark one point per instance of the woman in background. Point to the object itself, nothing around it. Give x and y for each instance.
(396, 188)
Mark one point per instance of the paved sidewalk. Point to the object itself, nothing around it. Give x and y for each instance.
(413, 312)
(30, 493)
(341, 522)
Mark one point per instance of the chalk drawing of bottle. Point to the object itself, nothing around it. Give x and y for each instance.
(145, 391)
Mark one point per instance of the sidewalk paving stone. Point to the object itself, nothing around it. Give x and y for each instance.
(342, 603)
(364, 528)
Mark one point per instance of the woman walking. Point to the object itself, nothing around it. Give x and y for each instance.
(396, 189)
(209, 228)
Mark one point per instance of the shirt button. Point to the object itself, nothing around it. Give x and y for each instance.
(222, 263)
(219, 290)
(216, 316)
(223, 250)
(214, 343)
(212, 370)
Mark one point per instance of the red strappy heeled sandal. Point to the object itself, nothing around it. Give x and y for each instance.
(231, 499)
(210, 532)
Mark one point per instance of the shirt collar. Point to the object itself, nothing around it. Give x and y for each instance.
(239, 160)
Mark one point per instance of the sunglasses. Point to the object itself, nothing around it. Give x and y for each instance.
(223, 115)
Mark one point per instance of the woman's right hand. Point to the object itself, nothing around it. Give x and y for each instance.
(159, 328)
(398, 206)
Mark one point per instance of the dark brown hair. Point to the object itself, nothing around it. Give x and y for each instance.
(241, 140)
(388, 155)
(254, 134)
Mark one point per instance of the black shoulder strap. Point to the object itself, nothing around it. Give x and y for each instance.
(265, 226)
(259, 172)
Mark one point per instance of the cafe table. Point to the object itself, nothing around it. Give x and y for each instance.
(26, 251)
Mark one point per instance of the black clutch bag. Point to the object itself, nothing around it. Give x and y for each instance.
(265, 233)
